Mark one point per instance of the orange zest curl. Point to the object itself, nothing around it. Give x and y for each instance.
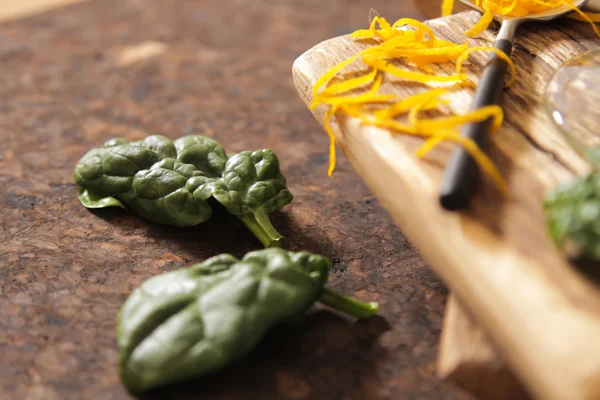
(471, 147)
(464, 56)
(415, 45)
(519, 8)
(447, 7)
(482, 25)
(593, 17)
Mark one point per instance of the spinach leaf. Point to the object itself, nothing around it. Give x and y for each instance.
(171, 182)
(573, 216)
(191, 322)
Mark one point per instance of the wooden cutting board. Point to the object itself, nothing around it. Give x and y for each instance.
(467, 356)
(496, 257)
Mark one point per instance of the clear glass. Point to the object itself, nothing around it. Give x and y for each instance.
(572, 101)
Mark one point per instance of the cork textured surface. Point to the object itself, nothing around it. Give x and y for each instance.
(76, 76)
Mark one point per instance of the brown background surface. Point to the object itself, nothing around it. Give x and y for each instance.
(224, 71)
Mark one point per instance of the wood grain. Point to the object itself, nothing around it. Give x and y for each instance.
(496, 256)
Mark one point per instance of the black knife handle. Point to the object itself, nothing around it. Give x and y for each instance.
(461, 175)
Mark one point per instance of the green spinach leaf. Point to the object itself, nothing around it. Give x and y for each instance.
(171, 182)
(573, 215)
(190, 322)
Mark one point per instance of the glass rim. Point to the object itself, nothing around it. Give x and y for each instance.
(581, 149)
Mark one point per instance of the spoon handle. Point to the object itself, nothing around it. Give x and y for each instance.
(460, 178)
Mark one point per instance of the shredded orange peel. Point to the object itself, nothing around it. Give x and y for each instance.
(593, 17)
(465, 55)
(416, 45)
(359, 94)
(519, 8)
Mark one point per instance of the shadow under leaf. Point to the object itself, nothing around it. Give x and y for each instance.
(222, 233)
(321, 339)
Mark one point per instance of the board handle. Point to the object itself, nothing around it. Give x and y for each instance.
(461, 175)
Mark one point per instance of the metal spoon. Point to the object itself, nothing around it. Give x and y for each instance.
(460, 177)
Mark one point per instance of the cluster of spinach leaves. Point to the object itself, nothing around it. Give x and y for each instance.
(172, 182)
(200, 319)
